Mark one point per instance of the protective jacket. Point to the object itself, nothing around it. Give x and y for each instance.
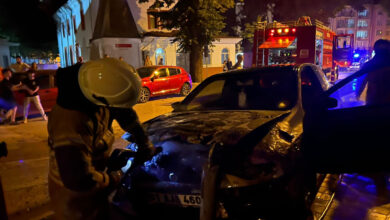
(80, 140)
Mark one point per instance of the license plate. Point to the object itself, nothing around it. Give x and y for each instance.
(175, 199)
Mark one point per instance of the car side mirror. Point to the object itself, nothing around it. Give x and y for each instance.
(330, 103)
(152, 78)
(178, 106)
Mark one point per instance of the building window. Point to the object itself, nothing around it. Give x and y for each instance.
(71, 55)
(68, 27)
(74, 24)
(363, 13)
(63, 30)
(362, 23)
(379, 32)
(350, 32)
(341, 23)
(351, 23)
(66, 56)
(82, 19)
(152, 21)
(362, 34)
(78, 52)
(224, 55)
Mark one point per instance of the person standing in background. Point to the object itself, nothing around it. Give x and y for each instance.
(19, 66)
(229, 64)
(7, 99)
(161, 61)
(32, 95)
(238, 64)
(148, 62)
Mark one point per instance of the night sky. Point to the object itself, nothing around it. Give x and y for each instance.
(29, 21)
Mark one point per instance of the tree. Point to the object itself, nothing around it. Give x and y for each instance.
(198, 24)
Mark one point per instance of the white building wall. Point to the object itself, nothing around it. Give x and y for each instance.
(4, 56)
(134, 54)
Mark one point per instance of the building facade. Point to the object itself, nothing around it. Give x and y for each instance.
(368, 25)
(5, 59)
(97, 28)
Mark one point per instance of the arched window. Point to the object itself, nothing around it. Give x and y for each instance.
(224, 54)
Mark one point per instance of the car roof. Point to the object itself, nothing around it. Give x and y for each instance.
(257, 70)
(158, 66)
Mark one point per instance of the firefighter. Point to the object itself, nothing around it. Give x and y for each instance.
(90, 96)
(378, 71)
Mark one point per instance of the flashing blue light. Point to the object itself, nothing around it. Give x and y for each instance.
(356, 55)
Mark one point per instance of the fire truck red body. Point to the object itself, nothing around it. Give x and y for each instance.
(289, 43)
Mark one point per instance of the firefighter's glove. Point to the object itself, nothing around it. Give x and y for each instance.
(145, 154)
(115, 179)
(118, 159)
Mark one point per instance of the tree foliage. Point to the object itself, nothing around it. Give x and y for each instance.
(198, 23)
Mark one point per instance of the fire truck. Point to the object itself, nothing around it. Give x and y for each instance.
(343, 50)
(295, 42)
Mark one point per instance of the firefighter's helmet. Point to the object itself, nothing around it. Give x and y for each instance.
(110, 82)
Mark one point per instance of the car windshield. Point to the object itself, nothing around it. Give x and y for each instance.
(145, 71)
(266, 89)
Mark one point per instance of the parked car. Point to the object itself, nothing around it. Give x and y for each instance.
(47, 91)
(242, 130)
(163, 80)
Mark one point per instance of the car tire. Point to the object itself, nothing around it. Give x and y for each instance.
(144, 95)
(185, 89)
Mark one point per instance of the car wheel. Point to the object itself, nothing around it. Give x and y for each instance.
(185, 89)
(144, 95)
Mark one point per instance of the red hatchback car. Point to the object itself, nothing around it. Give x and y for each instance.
(163, 80)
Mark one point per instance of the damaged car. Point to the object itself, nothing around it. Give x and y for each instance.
(231, 149)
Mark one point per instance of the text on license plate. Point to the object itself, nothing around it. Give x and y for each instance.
(175, 199)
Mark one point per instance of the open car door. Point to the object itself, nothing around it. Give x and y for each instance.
(348, 127)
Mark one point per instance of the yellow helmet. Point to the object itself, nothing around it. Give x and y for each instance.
(110, 82)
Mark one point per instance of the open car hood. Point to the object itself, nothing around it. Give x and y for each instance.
(186, 138)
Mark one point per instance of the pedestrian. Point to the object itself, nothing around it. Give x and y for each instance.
(148, 62)
(377, 80)
(80, 59)
(121, 59)
(224, 66)
(7, 99)
(161, 61)
(239, 63)
(376, 84)
(229, 64)
(81, 136)
(19, 66)
(1, 74)
(32, 95)
(34, 67)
